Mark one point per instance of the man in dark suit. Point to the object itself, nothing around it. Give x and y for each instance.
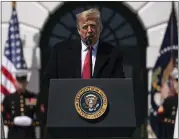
(19, 110)
(86, 58)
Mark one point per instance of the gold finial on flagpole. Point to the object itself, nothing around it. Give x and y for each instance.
(13, 4)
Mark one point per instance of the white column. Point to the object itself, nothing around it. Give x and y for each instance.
(176, 127)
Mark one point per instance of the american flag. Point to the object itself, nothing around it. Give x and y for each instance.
(13, 58)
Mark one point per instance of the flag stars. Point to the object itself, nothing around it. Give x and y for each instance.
(12, 44)
(164, 50)
(168, 49)
(13, 47)
(17, 43)
(18, 65)
(7, 52)
(18, 58)
(174, 47)
(18, 50)
(12, 36)
(11, 29)
(17, 36)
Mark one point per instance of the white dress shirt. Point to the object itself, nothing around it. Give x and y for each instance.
(84, 51)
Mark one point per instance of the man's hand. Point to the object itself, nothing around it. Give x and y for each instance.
(19, 87)
(22, 121)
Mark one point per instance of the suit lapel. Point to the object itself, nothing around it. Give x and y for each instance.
(74, 52)
(75, 58)
(101, 58)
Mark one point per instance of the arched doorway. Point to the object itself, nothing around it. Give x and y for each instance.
(121, 27)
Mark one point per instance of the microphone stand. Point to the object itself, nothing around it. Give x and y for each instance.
(91, 63)
(88, 42)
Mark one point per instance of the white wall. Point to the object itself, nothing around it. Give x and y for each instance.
(154, 16)
(32, 15)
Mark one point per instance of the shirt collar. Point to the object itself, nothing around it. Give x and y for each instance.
(84, 47)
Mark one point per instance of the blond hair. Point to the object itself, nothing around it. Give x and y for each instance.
(93, 11)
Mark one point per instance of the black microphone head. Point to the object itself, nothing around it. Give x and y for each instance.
(88, 41)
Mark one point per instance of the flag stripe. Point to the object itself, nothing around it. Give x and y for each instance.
(13, 58)
(7, 84)
(4, 90)
(8, 64)
(8, 75)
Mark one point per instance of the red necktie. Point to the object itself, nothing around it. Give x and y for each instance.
(86, 74)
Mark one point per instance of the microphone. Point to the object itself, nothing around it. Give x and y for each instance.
(88, 41)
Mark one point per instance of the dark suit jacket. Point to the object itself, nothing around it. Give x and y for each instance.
(65, 62)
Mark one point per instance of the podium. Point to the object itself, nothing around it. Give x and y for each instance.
(63, 121)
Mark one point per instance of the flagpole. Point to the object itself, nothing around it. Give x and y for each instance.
(178, 33)
(171, 39)
(2, 122)
(171, 30)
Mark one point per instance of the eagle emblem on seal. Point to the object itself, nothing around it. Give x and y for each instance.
(91, 102)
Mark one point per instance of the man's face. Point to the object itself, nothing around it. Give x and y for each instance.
(21, 86)
(89, 27)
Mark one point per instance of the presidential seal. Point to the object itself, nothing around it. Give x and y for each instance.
(91, 102)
